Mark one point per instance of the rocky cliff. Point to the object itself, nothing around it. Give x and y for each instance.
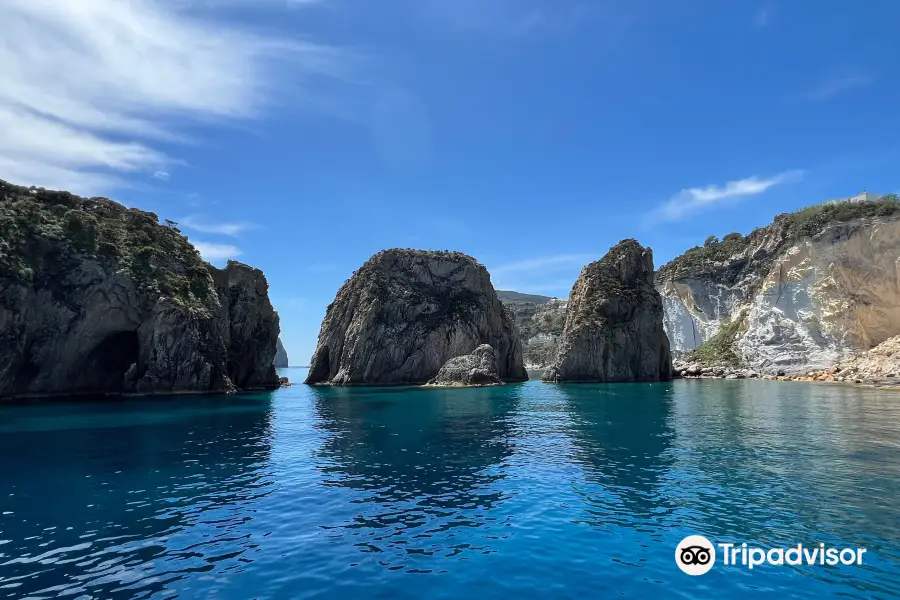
(614, 323)
(795, 295)
(99, 298)
(540, 325)
(281, 356)
(250, 325)
(405, 313)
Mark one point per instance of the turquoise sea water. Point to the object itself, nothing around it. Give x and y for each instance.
(526, 491)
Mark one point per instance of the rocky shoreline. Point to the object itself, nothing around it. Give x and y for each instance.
(836, 374)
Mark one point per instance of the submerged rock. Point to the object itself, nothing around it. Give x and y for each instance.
(614, 323)
(476, 369)
(405, 313)
(96, 298)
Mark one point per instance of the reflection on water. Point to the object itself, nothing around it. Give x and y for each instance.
(422, 466)
(621, 434)
(528, 490)
(112, 499)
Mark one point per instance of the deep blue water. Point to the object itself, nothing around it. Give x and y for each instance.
(526, 491)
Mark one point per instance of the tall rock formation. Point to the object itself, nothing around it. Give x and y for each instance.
(96, 298)
(405, 313)
(792, 296)
(251, 333)
(614, 323)
(281, 356)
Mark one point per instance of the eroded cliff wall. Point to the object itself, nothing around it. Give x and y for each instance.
(96, 298)
(796, 297)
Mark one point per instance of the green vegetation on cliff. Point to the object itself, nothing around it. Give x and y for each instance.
(735, 256)
(539, 321)
(44, 231)
(612, 278)
(720, 348)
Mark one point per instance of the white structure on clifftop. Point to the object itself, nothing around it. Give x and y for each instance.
(864, 197)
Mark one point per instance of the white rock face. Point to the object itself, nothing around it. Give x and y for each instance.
(823, 297)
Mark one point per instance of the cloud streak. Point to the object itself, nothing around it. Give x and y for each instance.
(543, 263)
(216, 252)
(837, 84)
(690, 201)
(542, 274)
(91, 86)
(197, 223)
(509, 18)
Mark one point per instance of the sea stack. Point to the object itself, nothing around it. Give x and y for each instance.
(281, 356)
(97, 298)
(251, 325)
(405, 313)
(614, 323)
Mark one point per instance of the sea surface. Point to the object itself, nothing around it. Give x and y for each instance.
(526, 491)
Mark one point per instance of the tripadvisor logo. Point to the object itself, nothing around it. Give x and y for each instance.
(696, 555)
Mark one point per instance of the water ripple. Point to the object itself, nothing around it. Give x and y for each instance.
(529, 491)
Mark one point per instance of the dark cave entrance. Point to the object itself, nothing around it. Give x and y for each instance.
(105, 366)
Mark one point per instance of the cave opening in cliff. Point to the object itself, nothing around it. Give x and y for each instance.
(105, 366)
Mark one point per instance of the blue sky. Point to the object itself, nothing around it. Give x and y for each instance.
(303, 136)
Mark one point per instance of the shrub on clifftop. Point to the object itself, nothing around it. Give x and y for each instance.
(43, 231)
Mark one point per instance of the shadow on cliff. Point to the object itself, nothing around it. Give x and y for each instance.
(125, 498)
(421, 461)
(621, 436)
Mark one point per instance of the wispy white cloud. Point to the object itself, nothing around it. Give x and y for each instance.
(515, 18)
(690, 201)
(839, 83)
(161, 175)
(216, 252)
(763, 17)
(553, 273)
(198, 223)
(541, 263)
(91, 86)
